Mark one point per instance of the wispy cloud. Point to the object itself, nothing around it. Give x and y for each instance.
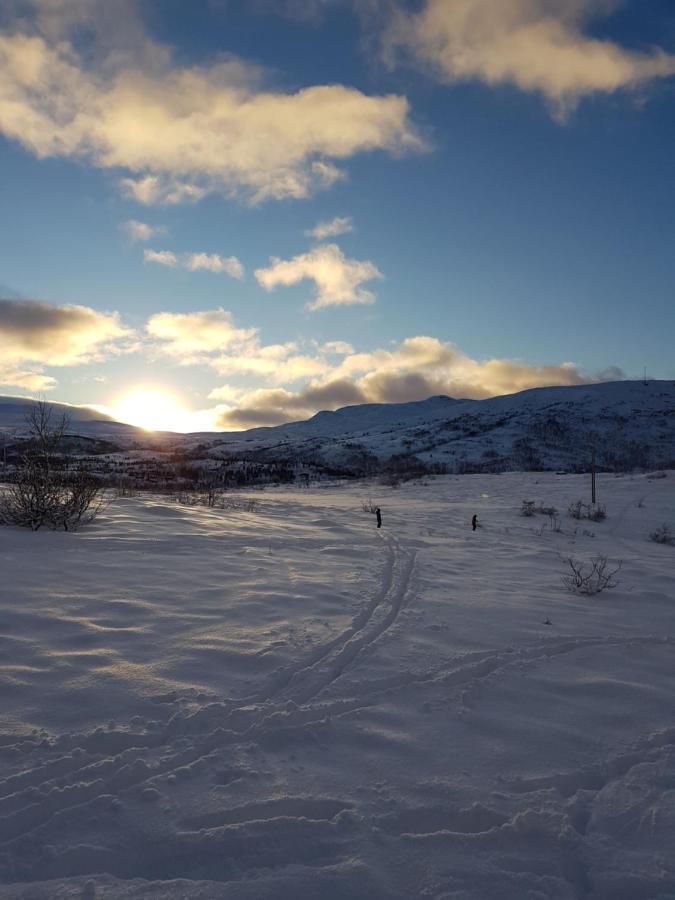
(230, 265)
(34, 334)
(337, 280)
(140, 231)
(196, 262)
(180, 132)
(536, 45)
(338, 225)
(161, 257)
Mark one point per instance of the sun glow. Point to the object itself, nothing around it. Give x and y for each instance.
(153, 410)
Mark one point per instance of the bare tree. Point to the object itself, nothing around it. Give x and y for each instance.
(44, 491)
(589, 578)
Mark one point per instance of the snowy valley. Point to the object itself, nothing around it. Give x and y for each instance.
(280, 700)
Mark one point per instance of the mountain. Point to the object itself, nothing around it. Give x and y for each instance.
(84, 422)
(630, 424)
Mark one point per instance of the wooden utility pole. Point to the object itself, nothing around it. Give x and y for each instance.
(593, 476)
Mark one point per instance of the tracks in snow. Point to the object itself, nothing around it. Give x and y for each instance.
(92, 771)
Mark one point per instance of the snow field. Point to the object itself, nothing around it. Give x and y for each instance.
(290, 703)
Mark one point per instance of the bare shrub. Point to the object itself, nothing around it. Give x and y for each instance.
(245, 504)
(125, 487)
(590, 577)
(44, 492)
(527, 508)
(213, 495)
(596, 512)
(663, 535)
(369, 507)
(575, 509)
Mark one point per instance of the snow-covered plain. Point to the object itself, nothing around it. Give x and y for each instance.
(289, 703)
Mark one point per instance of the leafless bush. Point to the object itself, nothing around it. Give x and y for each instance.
(554, 520)
(246, 504)
(125, 487)
(188, 498)
(369, 507)
(527, 509)
(590, 577)
(596, 512)
(663, 535)
(44, 492)
(213, 495)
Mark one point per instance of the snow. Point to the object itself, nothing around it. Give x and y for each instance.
(289, 703)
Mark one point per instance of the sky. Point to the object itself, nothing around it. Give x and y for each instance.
(223, 214)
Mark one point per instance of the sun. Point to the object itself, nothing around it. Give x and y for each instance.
(151, 409)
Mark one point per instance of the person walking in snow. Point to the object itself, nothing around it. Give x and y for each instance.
(379, 517)
(474, 523)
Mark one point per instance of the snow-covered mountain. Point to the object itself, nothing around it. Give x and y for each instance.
(630, 424)
(83, 421)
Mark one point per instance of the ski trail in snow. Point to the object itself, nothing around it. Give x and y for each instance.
(107, 764)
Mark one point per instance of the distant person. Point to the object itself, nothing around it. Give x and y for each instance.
(379, 517)
(474, 523)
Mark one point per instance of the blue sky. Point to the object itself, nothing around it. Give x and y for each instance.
(496, 189)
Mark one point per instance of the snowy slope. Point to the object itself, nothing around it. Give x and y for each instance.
(631, 424)
(83, 421)
(288, 703)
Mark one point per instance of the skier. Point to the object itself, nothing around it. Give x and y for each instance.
(474, 523)
(379, 517)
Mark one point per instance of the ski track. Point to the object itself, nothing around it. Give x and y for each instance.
(103, 765)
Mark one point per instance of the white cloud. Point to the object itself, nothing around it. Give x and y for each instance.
(34, 334)
(337, 280)
(196, 262)
(537, 45)
(192, 337)
(179, 132)
(338, 225)
(140, 231)
(155, 190)
(28, 380)
(210, 337)
(161, 257)
(214, 263)
(337, 348)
